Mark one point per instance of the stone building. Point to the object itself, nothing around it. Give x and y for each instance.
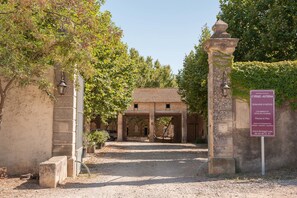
(151, 104)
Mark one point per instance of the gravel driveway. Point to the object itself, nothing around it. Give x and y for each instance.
(130, 169)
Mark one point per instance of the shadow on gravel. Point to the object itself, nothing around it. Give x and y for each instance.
(171, 168)
(156, 155)
(152, 181)
(161, 162)
(29, 184)
(157, 146)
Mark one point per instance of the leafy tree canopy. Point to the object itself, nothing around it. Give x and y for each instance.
(39, 35)
(109, 91)
(117, 72)
(192, 79)
(150, 73)
(267, 29)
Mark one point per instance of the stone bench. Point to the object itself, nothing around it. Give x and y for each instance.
(53, 171)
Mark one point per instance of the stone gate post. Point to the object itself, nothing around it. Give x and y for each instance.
(220, 48)
(120, 128)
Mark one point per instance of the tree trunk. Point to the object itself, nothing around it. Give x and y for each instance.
(3, 93)
(167, 127)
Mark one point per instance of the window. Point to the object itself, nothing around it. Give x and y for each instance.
(167, 106)
(135, 106)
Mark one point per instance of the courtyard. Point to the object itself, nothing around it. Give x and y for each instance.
(138, 169)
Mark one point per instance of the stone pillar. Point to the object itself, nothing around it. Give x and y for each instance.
(220, 48)
(64, 125)
(152, 126)
(184, 127)
(125, 133)
(120, 128)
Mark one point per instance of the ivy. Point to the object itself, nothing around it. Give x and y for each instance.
(279, 76)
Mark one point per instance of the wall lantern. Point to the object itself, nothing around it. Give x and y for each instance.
(224, 86)
(62, 85)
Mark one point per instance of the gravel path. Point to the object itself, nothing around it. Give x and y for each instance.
(131, 169)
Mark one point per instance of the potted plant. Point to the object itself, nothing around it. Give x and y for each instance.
(96, 138)
(100, 137)
(90, 142)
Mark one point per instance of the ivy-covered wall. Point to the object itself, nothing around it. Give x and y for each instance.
(281, 149)
(280, 76)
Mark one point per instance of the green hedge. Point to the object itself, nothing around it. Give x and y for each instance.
(280, 76)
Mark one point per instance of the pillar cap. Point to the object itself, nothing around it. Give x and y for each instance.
(221, 40)
(219, 29)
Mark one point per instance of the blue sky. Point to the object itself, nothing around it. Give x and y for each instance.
(166, 30)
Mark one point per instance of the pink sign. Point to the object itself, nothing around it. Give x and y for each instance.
(262, 113)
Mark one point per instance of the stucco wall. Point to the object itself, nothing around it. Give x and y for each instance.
(175, 107)
(26, 133)
(280, 150)
(145, 107)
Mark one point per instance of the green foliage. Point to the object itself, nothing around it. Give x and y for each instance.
(96, 137)
(151, 74)
(280, 76)
(38, 36)
(200, 141)
(266, 28)
(163, 121)
(117, 73)
(109, 91)
(192, 79)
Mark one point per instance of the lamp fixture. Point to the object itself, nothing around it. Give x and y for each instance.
(62, 84)
(224, 86)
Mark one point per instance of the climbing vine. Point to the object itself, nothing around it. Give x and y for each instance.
(280, 76)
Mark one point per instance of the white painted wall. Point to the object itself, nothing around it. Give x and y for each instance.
(27, 128)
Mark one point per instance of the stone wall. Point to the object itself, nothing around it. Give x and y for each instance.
(231, 149)
(280, 151)
(26, 133)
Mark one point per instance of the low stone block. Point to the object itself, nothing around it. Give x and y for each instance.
(71, 167)
(217, 166)
(53, 171)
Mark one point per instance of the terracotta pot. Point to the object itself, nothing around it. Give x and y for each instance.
(91, 149)
(100, 145)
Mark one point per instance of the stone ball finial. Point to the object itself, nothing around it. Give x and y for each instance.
(219, 29)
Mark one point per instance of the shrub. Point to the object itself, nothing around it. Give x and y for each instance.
(96, 137)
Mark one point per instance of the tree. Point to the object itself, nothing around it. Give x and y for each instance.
(144, 67)
(152, 74)
(162, 76)
(266, 28)
(192, 79)
(37, 36)
(109, 91)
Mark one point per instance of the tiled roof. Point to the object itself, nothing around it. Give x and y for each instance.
(156, 95)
